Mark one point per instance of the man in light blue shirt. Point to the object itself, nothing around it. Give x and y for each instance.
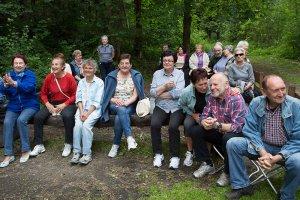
(166, 87)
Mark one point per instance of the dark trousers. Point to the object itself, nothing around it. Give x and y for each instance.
(68, 119)
(200, 137)
(106, 68)
(158, 118)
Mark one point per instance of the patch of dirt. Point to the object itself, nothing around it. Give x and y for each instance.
(128, 176)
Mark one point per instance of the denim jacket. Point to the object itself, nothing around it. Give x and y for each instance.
(187, 99)
(255, 125)
(110, 85)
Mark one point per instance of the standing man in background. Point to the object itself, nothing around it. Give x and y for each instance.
(106, 54)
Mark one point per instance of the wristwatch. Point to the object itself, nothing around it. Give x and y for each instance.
(217, 125)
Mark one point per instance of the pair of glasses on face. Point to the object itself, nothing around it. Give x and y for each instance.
(238, 54)
(170, 61)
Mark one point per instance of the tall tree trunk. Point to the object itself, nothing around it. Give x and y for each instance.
(138, 35)
(187, 21)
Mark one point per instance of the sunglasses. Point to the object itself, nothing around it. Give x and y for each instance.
(239, 54)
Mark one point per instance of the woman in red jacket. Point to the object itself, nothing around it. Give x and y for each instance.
(58, 96)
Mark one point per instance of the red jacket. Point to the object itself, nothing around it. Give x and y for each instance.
(51, 93)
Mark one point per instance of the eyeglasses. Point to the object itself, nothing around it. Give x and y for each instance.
(238, 54)
(168, 61)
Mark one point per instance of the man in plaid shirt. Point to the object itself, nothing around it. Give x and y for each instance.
(222, 118)
(271, 134)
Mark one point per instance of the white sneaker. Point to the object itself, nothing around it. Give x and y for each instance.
(38, 149)
(75, 158)
(85, 159)
(203, 170)
(188, 161)
(223, 180)
(113, 151)
(24, 158)
(67, 150)
(131, 143)
(158, 159)
(6, 163)
(174, 163)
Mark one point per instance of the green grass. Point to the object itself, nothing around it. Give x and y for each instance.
(289, 70)
(191, 190)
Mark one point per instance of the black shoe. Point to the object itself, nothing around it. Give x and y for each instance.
(238, 193)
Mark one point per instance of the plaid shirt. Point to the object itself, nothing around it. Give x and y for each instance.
(274, 130)
(230, 110)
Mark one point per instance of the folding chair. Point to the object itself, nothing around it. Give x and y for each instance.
(221, 156)
(264, 174)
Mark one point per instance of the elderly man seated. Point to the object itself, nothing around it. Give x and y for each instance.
(222, 118)
(271, 134)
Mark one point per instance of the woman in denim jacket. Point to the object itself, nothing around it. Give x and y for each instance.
(123, 88)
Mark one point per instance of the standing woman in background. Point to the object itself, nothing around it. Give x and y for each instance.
(19, 87)
(58, 96)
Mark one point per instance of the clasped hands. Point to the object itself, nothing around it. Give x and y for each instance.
(8, 80)
(208, 123)
(55, 109)
(119, 102)
(267, 160)
(169, 85)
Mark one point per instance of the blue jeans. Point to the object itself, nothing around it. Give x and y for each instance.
(237, 149)
(83, 133)
(21, 119)
(122, 121)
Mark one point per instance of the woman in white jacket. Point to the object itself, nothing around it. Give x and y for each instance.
(199, 59)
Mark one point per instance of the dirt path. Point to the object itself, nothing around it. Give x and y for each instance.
(49, 176)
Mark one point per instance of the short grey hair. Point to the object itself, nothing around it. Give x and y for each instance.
(90, 62)
(76, 52)
(242, 44)
(104, 36)
(239, 49)
(229, 48)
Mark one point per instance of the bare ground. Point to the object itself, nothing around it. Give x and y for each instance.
(128, 176)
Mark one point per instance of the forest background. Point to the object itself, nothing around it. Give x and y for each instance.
(41, 28)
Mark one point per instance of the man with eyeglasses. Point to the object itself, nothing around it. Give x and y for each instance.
(271, 134)
(166, 87)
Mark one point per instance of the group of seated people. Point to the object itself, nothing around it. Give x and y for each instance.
(211, 108)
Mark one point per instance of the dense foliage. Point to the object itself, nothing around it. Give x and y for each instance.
(41, 28)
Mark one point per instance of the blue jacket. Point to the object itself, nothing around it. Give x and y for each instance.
(110, 87)
(255, 125)
(187, 99)
(24, 95)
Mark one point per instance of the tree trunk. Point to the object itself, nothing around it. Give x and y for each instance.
(187, 21)
(138, 35)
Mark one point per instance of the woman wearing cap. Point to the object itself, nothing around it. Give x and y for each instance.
(123, 88)
(58, 96)
(19, 87)
(241, 76)
(88, 97)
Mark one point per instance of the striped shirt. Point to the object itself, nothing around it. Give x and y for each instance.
(230, 110)
(274, 130)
